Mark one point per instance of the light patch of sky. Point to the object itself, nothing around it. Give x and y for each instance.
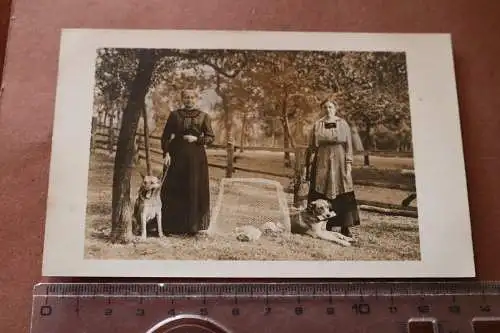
(206, 101)
(207, 97)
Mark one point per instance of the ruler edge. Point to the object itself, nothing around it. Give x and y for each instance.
(272, 289)
(441, 285)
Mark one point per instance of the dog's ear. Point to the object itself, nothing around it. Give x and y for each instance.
(142, 175)
(329, 205)
(317, 203)
(324, 203)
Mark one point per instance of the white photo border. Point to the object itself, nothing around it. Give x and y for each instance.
(444, 220)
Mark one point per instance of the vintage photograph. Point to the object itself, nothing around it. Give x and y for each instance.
(248, 154)
(251, 155)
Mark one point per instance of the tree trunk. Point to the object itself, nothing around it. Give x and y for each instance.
(273, 134)
(105, 122)
(229, 137)
(121, 201)
(119, 119)
(286, 141)
(368, 143)
(228, 126)
(230, 159)
(288, 132)
(146, 141)
(287, 137)
(100, 120)
(137, 149)
(111, 135)
(243, 132)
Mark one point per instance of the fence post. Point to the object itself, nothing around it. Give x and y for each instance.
(366, 158)
(230, 154)
(297, 175)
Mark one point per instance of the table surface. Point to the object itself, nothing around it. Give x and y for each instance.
(30, 80)
(4, 28)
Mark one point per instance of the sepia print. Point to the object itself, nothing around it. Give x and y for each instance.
(253, 114)
(250, 154)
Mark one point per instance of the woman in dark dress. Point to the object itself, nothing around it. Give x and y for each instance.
(185, 193)
(331, 148)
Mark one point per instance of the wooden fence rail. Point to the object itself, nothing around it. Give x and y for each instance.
(103, 135)
(231, 156)
(104, 138)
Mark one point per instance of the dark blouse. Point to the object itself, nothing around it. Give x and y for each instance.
(187, 122)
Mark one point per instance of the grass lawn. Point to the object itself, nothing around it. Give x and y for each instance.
(379, 237)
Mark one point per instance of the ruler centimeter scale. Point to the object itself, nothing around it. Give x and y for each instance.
(347, 307)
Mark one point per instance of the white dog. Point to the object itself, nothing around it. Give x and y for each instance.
(147, 206)
(312, 221)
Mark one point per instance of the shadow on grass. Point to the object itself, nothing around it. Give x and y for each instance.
(99, 208)
(101, 235)
(379, 237)
(390, 228)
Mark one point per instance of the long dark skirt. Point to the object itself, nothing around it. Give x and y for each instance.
(344, 206)
(185, 193)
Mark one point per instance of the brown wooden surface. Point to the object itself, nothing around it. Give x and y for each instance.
(30, 80)
(4, 28)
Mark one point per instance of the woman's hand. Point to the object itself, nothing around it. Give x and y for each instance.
(190, 138)
(349, 169)
(166, 160)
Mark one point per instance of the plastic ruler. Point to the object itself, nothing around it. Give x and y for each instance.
(354, 307)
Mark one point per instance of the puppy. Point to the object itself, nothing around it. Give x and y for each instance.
(312, 221)
(147, 206)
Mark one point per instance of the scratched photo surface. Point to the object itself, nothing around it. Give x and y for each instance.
(270, 136)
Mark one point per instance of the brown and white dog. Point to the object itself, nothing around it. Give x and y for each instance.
(312, 221)
(147, 206)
